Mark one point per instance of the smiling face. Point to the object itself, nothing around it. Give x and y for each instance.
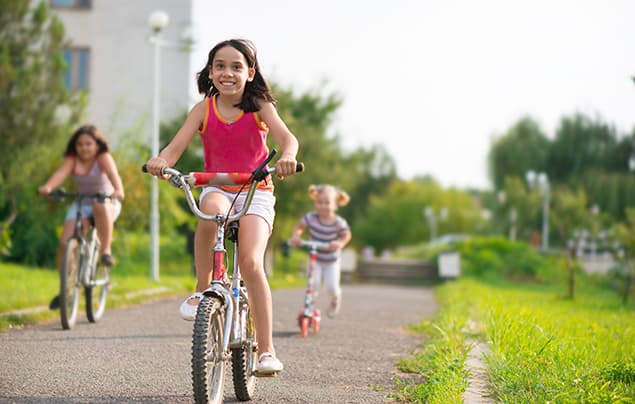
(230, 72)
(325, 203)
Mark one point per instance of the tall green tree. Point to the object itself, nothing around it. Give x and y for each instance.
(37, 114)
(524, 147)
(588, 154)
(581, 146)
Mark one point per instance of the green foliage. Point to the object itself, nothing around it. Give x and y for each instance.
(395, 218)
(524, 147)
(439, 366)
(621, 372)
(498, 258)
(541, 348)
(582, 145)
(585, 157)
(37, 115)
(569, 213)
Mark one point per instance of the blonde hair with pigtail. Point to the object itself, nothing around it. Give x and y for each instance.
(341, 197)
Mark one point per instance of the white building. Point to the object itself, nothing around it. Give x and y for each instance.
(111, 56)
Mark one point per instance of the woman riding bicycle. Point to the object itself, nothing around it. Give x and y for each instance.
(92, 168)
(233, 120)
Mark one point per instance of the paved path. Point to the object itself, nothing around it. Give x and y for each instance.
(141, 354)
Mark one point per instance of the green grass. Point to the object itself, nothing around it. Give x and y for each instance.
(27, 288)
(544, 348)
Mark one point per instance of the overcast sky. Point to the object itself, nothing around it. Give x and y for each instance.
(436, 81)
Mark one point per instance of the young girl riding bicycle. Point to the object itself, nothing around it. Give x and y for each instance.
(325, 225)
(236, 115)
(90, 164)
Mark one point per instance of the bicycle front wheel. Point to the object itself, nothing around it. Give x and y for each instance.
(69, 283)
(244, 359)
(97, 292)
(208, 358)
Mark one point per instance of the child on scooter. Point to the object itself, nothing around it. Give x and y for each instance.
(325, 225)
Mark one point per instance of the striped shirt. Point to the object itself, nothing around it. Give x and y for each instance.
(319, 231)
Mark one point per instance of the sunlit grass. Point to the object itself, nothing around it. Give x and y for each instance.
(30, 289)
(543, 348)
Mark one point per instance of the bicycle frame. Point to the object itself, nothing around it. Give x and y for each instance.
(86, 235)
(79, 266)
(235, 294)
(225, 304)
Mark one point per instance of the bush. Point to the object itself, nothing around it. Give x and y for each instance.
(496, 257)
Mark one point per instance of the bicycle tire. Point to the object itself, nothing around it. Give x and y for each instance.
(97, 293)
(69, 283)
(208, 361)
(245, 358)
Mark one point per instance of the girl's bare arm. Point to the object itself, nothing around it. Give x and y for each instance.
(108, 165)
(288, 143)
(58, 176)
(297, 233)
(173, 151)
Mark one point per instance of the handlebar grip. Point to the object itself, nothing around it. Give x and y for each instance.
(144, 168)
(299, 167)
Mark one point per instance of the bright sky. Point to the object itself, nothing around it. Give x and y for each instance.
(435, 81)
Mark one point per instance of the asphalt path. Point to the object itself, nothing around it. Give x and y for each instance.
(141, 354)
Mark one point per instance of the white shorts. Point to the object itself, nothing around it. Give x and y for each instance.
(261, 205)
(87, 210)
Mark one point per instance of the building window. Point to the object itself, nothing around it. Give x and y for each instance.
(71, 3)
(77, 65)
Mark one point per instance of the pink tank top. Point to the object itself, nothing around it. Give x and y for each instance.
(237, 145)
(92, 182)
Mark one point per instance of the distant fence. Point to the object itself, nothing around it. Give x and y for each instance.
(400, 271)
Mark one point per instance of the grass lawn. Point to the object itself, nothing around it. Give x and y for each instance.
(544, 348)
(24, 288)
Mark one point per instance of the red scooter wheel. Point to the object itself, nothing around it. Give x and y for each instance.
(304, 326)
(316, 321)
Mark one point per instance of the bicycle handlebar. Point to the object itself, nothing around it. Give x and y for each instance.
(200, 179)
(60, 194)
(313, 244)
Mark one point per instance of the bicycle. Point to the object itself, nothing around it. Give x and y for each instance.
(309, 316)
(80, 265)
(223, 327)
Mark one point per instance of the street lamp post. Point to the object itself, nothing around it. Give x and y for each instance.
(513, 215)
(158, 20)
(433, 219)
(541, 181)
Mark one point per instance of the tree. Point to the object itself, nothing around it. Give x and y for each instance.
(524, 147)
(395, 217)
(586, 153)
(37, 115)
(581, 146)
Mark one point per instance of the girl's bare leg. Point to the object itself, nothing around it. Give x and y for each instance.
(204, 240)
(103, 214)
(253, 236)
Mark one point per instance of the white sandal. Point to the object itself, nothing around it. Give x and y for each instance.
(188, 311)
(268, 364)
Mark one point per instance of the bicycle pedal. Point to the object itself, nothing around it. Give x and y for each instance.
(265, 374)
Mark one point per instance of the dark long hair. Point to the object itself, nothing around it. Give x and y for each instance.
(255, 90)
(102, 143)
